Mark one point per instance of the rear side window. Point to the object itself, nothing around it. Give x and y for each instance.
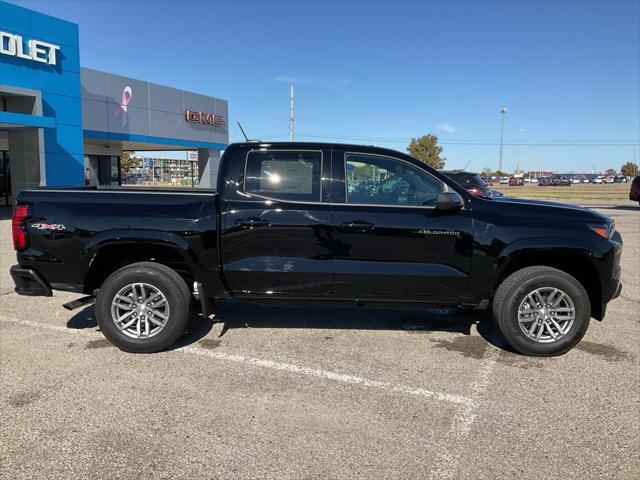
(292, 175)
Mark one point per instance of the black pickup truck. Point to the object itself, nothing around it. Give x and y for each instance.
(330, 224)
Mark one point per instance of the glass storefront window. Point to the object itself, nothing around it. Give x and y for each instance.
(102, 170)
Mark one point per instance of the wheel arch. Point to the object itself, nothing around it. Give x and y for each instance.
(576, 260)
(108, 252)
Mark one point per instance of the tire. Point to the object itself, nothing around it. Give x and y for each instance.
(167, 312)
(514, 311)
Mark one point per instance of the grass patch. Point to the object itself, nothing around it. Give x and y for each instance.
(616, 191)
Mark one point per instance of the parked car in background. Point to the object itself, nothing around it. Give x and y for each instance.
(634, 192)
(472, 183)
(586, 180)
(599, 179)
(534, 180)
(504, 180)
(620, 179)
(516, 181)
(487, 180)
(575, 180)
(609, 179)
(559, 181)
(544, 181)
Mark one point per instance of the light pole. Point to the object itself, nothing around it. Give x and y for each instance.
(291, 114)
(503, 110)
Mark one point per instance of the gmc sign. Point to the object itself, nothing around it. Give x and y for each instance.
(204, 118)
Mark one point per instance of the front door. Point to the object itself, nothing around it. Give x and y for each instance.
(277, 231)
(389, 240)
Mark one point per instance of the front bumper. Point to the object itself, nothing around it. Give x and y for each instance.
(618, 291)
(29, 282)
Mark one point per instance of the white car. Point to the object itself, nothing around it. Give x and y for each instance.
(534, 180)
(585, 180)
(575, 180)
(504, 180)
(598, 179)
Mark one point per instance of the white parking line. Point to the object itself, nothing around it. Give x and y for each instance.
(454, 442)
(466, 402)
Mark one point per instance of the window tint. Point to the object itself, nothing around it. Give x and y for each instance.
(284, 175)
(384, 181)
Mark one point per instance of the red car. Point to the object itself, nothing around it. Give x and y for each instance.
(634, 193)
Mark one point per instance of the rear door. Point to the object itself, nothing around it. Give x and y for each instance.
(276, 230)
(389, 240)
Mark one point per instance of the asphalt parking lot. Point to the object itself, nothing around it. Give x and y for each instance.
(319, 393)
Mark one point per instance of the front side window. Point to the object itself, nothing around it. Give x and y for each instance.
(375, 180)
(284, 175)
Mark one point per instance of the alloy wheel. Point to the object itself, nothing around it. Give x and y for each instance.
(546, 315)
(140, 310)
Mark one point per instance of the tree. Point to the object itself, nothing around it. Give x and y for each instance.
(128, 162)
(427, 150)
(486, 172)
(611, 171)
(629, 169)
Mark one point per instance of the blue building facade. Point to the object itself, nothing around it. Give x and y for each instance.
(54, 114)
(55, 87)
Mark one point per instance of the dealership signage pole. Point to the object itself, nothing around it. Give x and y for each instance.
(291, 115)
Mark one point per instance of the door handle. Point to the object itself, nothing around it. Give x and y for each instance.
(251, 222)
(356, 226)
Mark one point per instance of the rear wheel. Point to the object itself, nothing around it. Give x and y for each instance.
(143, 307)
(542, 311)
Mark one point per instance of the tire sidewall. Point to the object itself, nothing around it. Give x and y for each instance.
(509, 314)
(177, 311)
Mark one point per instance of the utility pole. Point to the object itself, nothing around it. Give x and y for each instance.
(503, 110)
(291, 115)
(518, 151)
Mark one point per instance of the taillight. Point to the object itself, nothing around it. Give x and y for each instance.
(474, 191)
(19, 228)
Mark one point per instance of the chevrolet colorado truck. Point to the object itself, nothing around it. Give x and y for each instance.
(324, 224)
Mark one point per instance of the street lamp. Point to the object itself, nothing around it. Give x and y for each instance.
(503, 110)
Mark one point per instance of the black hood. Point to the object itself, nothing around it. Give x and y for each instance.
(555, 208)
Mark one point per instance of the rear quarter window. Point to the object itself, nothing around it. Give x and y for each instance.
(289, 175)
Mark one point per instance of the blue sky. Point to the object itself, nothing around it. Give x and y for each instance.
(378, 72)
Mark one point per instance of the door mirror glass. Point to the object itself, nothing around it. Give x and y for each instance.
(448, 202)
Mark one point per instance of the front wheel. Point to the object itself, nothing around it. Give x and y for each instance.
(542, 311)
(143, 307)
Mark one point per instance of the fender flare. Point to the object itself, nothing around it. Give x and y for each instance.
(122, 236)
(540, 245)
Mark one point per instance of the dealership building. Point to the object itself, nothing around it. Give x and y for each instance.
(62, 125)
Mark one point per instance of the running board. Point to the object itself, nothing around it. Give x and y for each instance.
(81, 302)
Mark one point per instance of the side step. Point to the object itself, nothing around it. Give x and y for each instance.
(81, 302)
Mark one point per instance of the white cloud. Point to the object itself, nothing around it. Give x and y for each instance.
(323, 82)
(445, 127)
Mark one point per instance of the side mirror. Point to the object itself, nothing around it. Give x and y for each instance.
(448, 202)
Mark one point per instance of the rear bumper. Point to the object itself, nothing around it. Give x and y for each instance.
(29, 282)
